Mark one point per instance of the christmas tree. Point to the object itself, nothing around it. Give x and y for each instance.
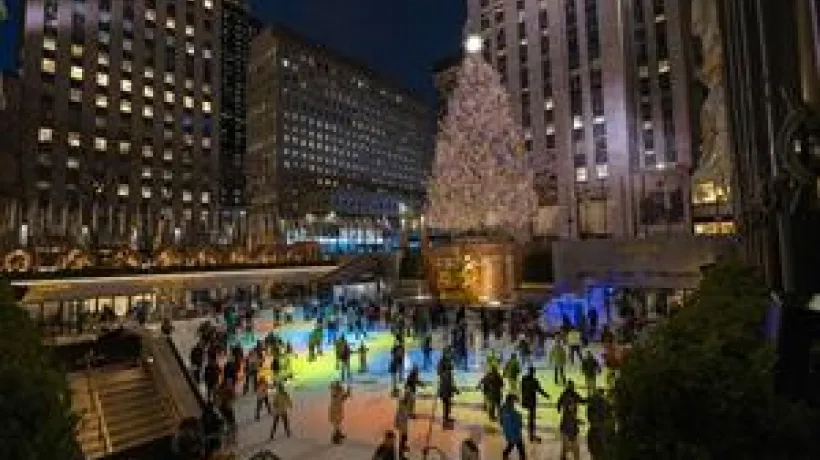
(481, 182)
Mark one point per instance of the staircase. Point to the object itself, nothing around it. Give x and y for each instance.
(85, 404)
(134, 411)
(120, 409)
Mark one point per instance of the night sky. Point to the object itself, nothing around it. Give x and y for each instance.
(398, 38)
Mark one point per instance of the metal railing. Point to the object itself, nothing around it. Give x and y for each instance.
(94, 395)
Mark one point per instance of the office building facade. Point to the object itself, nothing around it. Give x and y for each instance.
(120, 138)
(237, 29)
(336, 153)
(602, 91)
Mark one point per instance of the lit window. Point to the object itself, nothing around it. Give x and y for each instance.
(75, 94)
(102, 79)
(49, 65)
(207, 53)
(72, 163)
(581, 174)
(146, 193)
(171, 23)
(206, 106)
(206, 142)
(598, 120)
(45, 135)
(189, 102)
(206, 197)
(206, 89)
(602, 171)
(125, 106)
(100, 143)
(50, 44)
(147, 151)
(190, 48)
(577, 122)
(101, 101)
(149, 72)
(125, 85)
(146, 173)
(169, 78)
(663, 67)
(127, 66)
(208, 4)
(148, 91)
(189, 30)
(103, 59)
(150, 15)
(148, 111)
(76, 72)
(169, 97)
(125, 147)
(189, 84)
(122, 190)
(74, 139)
(76, 50)
(167, 155)
(550, 130)
(186, 196)
(127, 44)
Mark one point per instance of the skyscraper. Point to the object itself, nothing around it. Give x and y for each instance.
(236, 32)
(337, 154)
(601, 89)
(120, 137)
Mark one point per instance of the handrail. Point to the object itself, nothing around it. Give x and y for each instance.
(102, 426)
(148, 364)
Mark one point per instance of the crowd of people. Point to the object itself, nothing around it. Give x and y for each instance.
(225, 369)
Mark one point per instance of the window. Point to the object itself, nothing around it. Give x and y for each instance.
(125, 85)
(169, 97)
(74, 139)
(186, 196)
(75, 95)
(76, 50)
(72, 163)
(101, 101)
(171, 23)
(147, 151)
(122, 190)
(146, 193)
(149, 72)
(208, 4)
(188, 102)
(102, 79)
(103, 59)
(189, 30)
(148, 91)
(49, 65)
(206, 197)
(45, 135)
(125, 106)
(125, 147)
(76, 73)
(49, 43)
(206, 106)
(581, 174)
(602, 171)
(100, 143)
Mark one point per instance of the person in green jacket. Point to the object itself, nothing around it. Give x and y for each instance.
(558, 356)
(512, 370)
(315, 343)
(492, 360)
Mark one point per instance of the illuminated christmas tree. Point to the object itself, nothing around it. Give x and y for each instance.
(482, 182)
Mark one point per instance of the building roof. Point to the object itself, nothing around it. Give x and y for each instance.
(280, 31)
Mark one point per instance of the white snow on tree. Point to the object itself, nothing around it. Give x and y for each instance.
(481, 181)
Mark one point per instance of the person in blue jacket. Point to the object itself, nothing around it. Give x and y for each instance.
(512, 424)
